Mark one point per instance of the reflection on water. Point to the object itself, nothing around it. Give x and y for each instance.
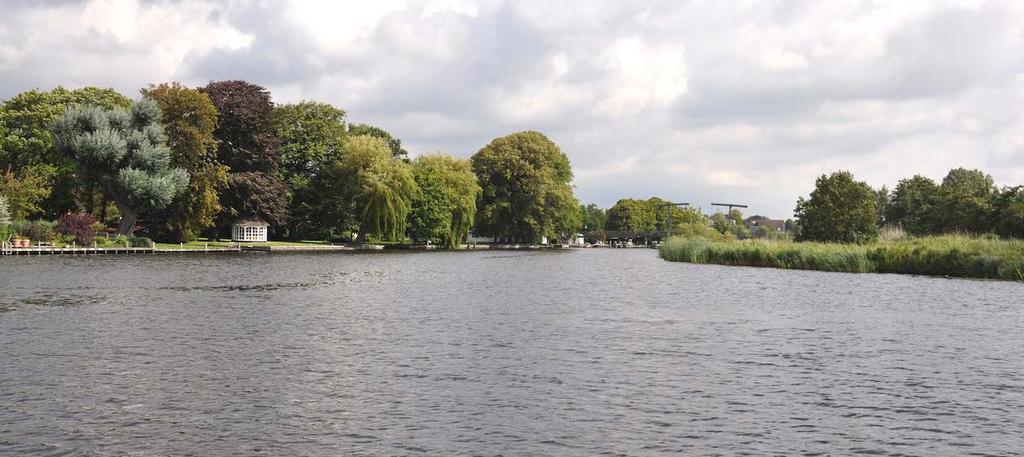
(595, 352)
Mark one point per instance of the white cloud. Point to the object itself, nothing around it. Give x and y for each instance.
(108, 42)
(692, 101)
(642, 75)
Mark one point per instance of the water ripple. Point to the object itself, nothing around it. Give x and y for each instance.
(513, 353)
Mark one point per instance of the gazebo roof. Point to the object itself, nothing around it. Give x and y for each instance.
(252, 222)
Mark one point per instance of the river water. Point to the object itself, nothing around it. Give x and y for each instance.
(590, 352)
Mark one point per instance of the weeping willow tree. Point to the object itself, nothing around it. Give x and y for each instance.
(382, 188)
(126, 152)
(444, 209)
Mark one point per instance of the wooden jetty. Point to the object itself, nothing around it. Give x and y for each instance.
(53, 250)
(8, 249)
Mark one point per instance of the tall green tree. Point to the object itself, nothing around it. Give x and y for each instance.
(884, 197)
(966, 198)
(126, 152)
(189, 118)
(26, 141)
(840, 209)
(381, 188)
(662, 209)
(593, 218)
(312, 142)
(25, 193)
(444, 209)
(912, 205)
(633, 215)
(394, 144)
(1009, 212)
(250, 149)
(526, 186)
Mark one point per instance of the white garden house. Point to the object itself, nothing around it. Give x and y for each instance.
(250, 230)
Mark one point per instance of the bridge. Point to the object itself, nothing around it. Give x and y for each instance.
(618, 238)
(624, 237)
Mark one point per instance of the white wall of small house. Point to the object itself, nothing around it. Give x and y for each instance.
(249, 233)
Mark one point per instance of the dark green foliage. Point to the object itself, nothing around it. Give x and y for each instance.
(141, 242)
(649, 215)
(313, 141)
(444, 208)
(21, 227)
(189, 118)
(526, 186)
(1008, 208)
(25, 192)
(791, 226)
(77, 225)
(126, 153)
(679, 215)
(42, 230)
(429, 218)
(630, 214)
(593, 218)
(965, 201)
(27, 117)
(839, 209)
(394, 144)
(26, 141)
(883, 198)
(913, 206)
(731, 224)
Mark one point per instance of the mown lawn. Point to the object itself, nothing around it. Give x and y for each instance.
(202, 244)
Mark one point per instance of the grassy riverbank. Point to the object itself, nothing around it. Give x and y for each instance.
(201, 244)
(949, 255)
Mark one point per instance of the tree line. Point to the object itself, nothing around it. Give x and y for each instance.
(843, 209)
(659, 215)
(187, 162)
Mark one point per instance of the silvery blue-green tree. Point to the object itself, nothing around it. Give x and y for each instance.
(126, 151)
(5, 212)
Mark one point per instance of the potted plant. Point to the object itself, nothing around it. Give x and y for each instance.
(20, 229)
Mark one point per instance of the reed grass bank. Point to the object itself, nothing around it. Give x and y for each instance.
(948, 255)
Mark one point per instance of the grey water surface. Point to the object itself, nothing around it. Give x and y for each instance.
(589, 352)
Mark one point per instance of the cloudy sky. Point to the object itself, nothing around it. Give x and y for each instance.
(701, 101)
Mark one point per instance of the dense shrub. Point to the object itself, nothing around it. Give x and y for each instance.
(701, 230)
(78, 225)
(141, 242)
(42, 230)
(20, 227)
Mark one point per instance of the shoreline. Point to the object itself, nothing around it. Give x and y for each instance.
(75, 251)
(939, 256)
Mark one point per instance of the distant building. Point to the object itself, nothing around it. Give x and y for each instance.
(250, 230)
(575, 239)
(777, 225)
(474, 238)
